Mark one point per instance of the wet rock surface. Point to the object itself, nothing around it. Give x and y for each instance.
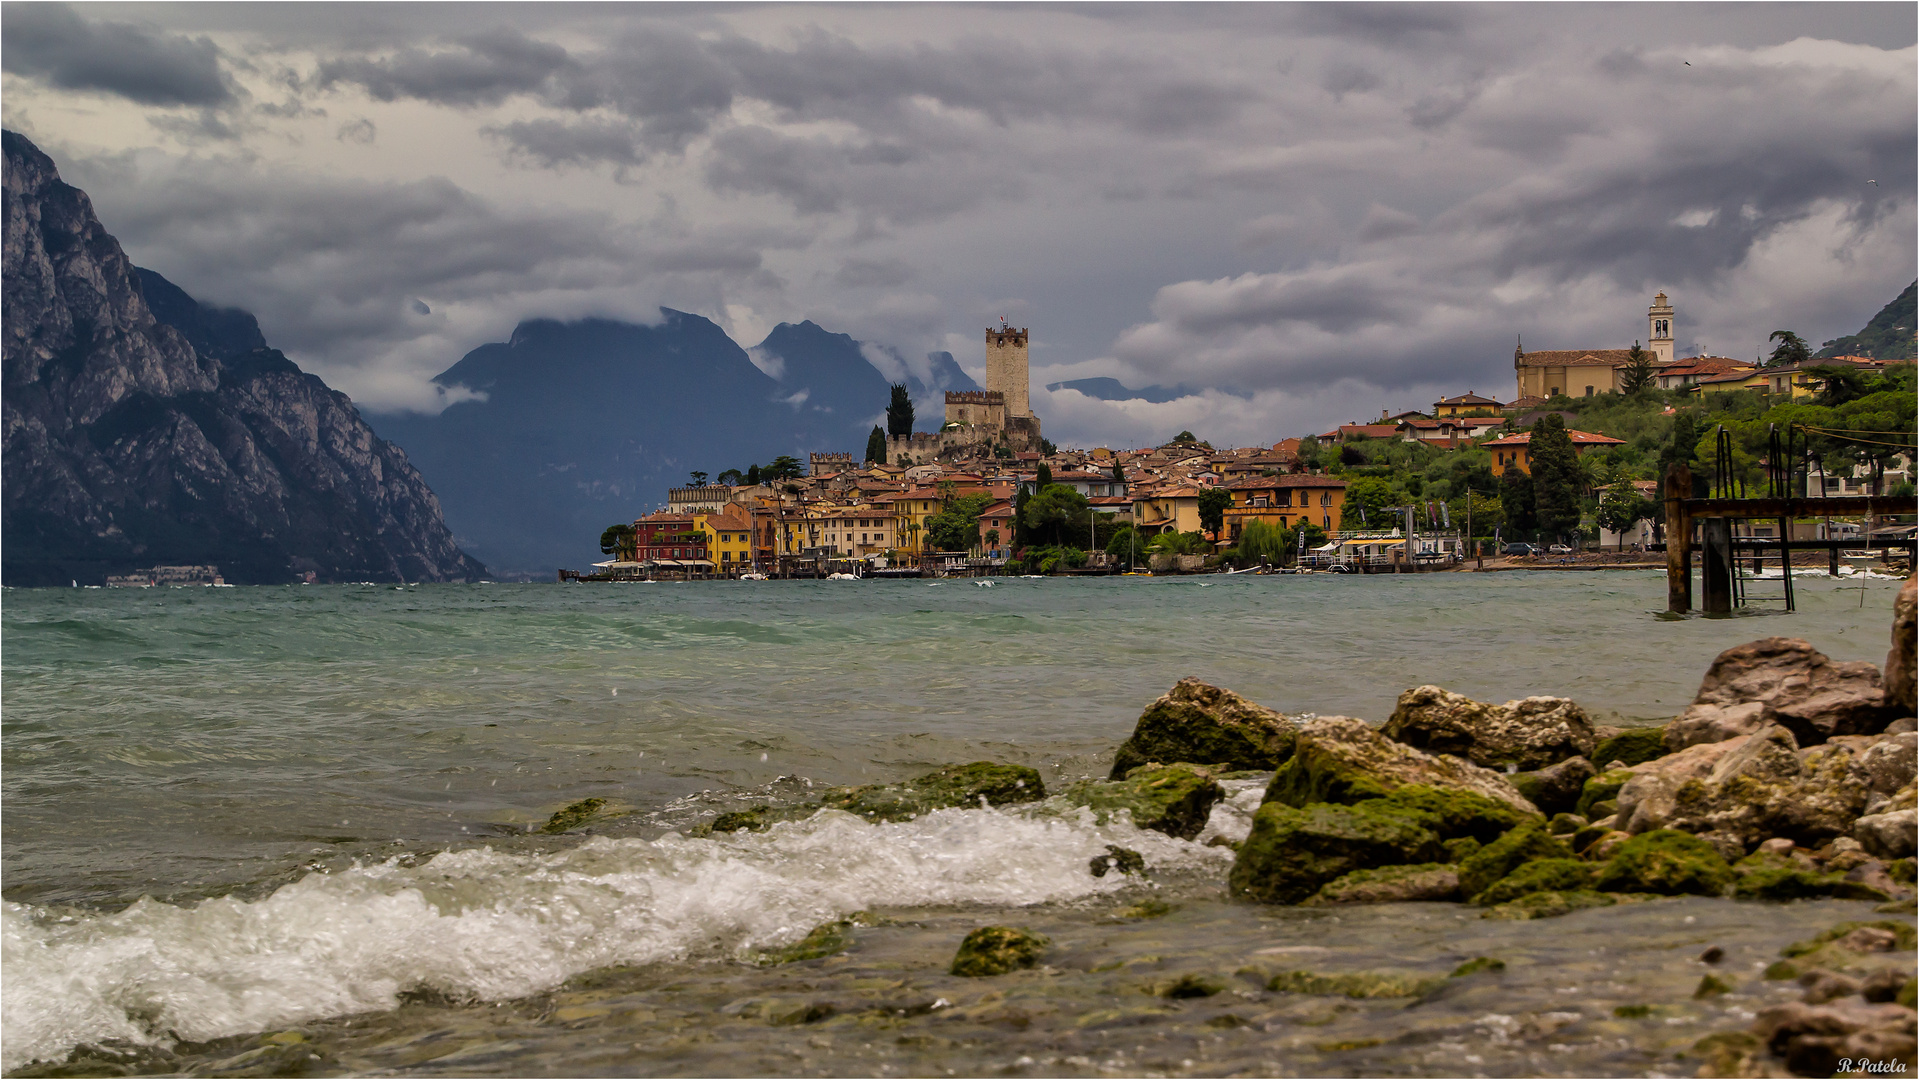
(1337, 759)
(1529, 733)
(1810, 694)
(1173, 799)
(1556, 788)
(967, 785)
(1198, 722)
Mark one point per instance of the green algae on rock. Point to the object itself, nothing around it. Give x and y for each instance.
(1337, 759)
(1556, 788)
(1390, 884)
(1195, 721)
(826, 939)
(1765, 876)
(1476, 965)
(1522, 844)
(1602, 788)
(1354, 984)
(1292, 852)
(1454, 813)
(573, 815)
(1667, 862)
(1549, 905)
(1173, 799)
(1539, 875)
(1711, 986)
(1633, 746)
(955, 785)
(1123, 859)
(996, 950)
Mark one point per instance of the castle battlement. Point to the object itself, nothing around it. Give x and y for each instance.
(1003, 336)
(975, 397)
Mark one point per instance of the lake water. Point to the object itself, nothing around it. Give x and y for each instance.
(237, 811)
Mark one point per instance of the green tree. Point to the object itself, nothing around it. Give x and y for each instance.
(876, 446)
(784, 467)
(697, 479)
(1212, 509)
(956, 526)
(1119, 472)
(899, 412)
(1260, 542)
(1020, 502)
(1177, 543)
(1350, 455)
(1367, 500)
(1055, 515)
(1125, 543)
(731, 478)
(1557, 479)
(753, 475)
(1792, 349)
(1638, 374)
(619, 541)
(1046, 447)
(1043, 478)
(1621, 506)
(1516, 501)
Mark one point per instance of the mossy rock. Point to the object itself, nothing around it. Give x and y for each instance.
(1602, 788)
(1292, 852)
(1908, 994)
(1903, 933)
(1123, 859)
(1634, 746)
(1549, 905)
(1461, 848)
(1539, 875)
(1566, 824)
(1195, 721)
(996, 950)
(1354, 984)
(1173, 799)
(826, 939)
(1390, 884)
(1667, 862)
(1583, 837)
(1902, 870)
(1453, 813)
(1711, 986)
(1765, 876)
(756, 819)
(1501, 857)
(1338, 759)
(573, 815)
(955, 785)
(1476, 965)
(1731, 1053)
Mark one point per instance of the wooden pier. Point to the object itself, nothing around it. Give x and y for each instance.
(1718, 547)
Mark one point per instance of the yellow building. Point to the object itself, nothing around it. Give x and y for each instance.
(1516, 450)
(729, 536)
(1466, 404)
(1738, 380)
(1284, 501)
(1174, 509)
(853, 531)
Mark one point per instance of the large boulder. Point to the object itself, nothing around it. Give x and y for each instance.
(1811, 695)
(1666, 862)
(1899, 672)
(1195, 721)
(1715, 723)
(1765, 785)
(1890, 835)
(1173, 799)
(1530, 733)
(1337, 759)
(1292, 852)
(1527, 843)
(1390, 884)
(1816, 1040)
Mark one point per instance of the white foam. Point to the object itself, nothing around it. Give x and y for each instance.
(491, 925)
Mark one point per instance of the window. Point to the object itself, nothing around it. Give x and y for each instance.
(1589, 391)
(1325, 498)
(1552, 391)
(1326, 522)
(1286, 498)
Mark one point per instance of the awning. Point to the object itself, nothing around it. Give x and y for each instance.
(616, 564)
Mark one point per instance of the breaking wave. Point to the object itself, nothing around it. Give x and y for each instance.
(489, 925)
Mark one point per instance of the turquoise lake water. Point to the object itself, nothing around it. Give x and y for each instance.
(271, 767)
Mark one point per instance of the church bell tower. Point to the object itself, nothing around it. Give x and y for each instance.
(1659, 326)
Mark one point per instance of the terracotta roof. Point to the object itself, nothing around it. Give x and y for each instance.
(1573, 358)
(1579, 438)
(1467, 398)
(1297, 480)
(1375, 431)
(1530, 401)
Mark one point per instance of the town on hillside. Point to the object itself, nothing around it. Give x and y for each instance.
(1566, 470)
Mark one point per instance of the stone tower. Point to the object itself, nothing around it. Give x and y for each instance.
(1006, 367)
(1659, 327)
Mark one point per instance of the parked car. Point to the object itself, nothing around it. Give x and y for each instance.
(1559, 549)
(1520, 549)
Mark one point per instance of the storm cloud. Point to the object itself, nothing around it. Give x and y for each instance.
(1314, 211)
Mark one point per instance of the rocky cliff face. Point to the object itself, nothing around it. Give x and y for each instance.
(125, 446)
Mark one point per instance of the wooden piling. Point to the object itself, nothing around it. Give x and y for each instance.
(1678, 539)
(1716, 566)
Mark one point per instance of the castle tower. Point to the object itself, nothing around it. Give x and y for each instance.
(1006, 367)
(1659, 325)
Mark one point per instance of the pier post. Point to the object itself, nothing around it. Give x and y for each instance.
(1678, 539)
(1716, 568)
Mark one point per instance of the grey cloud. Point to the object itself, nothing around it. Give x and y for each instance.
(1344, 77)
(359, 131)
(52, 42)
(484, 69)
(870, 273)
(1384, 223)
(554, 143)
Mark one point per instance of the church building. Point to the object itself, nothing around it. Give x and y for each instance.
(1585, 372)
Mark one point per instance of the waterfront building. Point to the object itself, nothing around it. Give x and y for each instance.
(1284, 501)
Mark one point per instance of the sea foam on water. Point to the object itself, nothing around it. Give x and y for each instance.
(488, 925)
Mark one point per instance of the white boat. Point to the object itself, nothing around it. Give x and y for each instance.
(752, 577)
(842, 577)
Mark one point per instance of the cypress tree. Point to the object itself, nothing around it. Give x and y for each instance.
(876, 446)
(1516, 501)
(899, 412)
(1556, 477)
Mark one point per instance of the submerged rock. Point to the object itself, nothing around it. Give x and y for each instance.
(1556, 788)
(1337, 759)
(1173, 799)
(1530, 733)
(1195, 721)
(1768, 876)
(1354, 984)
(1666, 862)
(1814, 1039)
(955, 785)
(1390, 884)
(1632, 746)
(996, 950)
(1292, 852)
(573, 815)
(1550, 905)
(1124, 860)
(826, 939)
(1812, 695)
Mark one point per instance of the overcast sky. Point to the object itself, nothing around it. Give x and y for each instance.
(1314, 212)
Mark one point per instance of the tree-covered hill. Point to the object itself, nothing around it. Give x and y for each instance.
(1889, 336)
